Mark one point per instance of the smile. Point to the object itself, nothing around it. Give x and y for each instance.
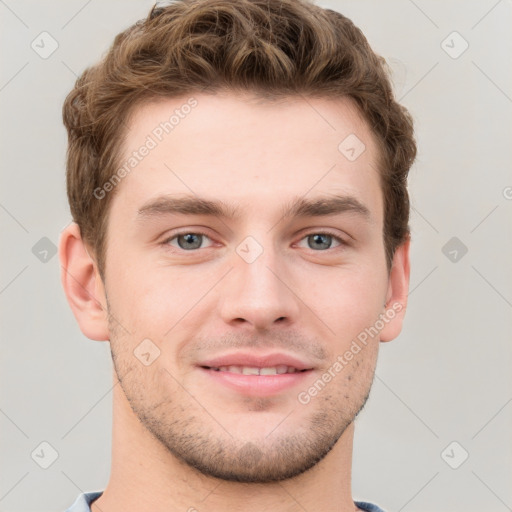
(252, 370)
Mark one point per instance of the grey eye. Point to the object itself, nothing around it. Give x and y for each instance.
(319, 241)
(188, 241)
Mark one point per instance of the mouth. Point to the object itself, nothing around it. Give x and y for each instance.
(254, 370)
(256, 376)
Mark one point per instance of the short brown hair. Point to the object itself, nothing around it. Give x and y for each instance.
(273, 48)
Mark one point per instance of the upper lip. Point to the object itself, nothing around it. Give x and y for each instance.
(256, 361)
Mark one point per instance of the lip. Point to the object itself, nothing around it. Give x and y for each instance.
(256, 360)
(256, 385)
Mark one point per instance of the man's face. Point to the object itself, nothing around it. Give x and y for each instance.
(199, 303)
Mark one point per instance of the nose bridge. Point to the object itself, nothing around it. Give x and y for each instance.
(256, 291)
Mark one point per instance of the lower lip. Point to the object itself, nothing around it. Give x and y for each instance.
(258, 385)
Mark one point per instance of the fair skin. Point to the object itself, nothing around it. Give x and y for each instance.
(185, 437)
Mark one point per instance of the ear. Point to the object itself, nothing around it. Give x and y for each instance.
(83, 285)
(398, 290)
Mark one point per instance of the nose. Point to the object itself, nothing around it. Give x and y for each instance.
(259, 294)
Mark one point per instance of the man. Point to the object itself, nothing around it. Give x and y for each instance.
(237, 177)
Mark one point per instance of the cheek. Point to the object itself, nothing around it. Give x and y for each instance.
(350, 300)
(135, 298)
(151, 300)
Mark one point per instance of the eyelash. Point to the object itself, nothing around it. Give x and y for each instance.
(341, 241)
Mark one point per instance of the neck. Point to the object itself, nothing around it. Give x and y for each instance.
(145, 476)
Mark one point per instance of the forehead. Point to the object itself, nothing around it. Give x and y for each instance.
(245, 149)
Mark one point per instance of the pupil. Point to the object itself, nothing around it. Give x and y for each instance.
(320, 239)
(189, 240)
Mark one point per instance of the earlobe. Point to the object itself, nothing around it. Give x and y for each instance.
(83, 285)
(398, 290)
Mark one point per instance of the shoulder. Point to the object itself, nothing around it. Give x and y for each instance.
(83, 502)
(368, 507)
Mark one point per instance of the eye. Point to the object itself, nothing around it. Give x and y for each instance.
(322, 241)
(191, 240)
(187, 241)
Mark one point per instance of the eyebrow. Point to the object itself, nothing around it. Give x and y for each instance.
(297, 207)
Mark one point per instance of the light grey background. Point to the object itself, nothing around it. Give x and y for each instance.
(448, 376)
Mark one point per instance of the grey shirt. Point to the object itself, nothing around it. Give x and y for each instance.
(83, 503)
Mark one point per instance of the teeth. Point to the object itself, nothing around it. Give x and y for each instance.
(251, 370)
(248, 370)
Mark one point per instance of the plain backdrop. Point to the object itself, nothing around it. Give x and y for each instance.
(435, 433)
